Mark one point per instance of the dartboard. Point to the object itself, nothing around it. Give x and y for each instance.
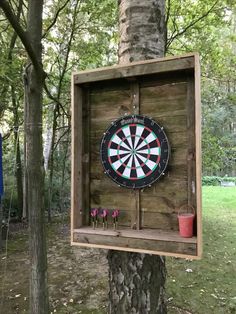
(134, 151)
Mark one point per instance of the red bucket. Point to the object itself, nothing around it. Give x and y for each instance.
(186, 221)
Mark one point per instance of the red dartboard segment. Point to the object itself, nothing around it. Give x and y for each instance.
(134, 151)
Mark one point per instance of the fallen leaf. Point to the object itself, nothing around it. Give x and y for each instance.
(170, 299)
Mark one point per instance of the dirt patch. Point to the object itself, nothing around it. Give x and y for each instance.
(77, 277)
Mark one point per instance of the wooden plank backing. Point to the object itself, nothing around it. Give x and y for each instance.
(167, 104)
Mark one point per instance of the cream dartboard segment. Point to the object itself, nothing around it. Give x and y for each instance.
(134, 151)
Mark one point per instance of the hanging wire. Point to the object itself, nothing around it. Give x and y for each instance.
(7, 234)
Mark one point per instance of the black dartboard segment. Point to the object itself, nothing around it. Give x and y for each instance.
(134, 151)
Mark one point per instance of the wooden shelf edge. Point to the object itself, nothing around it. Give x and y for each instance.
(108, 247)
(153, 66)
(147, 234)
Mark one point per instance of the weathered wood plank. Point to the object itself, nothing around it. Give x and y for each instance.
(198, 155)
(76, 163)
(164, 203)
(164, 78)
(151, 234)
(172, 124)
(166, 221)
(167, 186)
(161, 211)
(139, 243)
(164, 99)
(191, 145)
(136, 69)
(86, 155)
(123, 200)
(110, 105)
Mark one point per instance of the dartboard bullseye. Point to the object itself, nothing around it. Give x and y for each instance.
(134, 151)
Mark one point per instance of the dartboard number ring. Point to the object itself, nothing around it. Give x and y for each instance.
(134, 151)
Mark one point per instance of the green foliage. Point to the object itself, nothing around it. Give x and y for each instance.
(209, 28)
(211, 180)
(10, 202)
(214, 180)
(218, 122)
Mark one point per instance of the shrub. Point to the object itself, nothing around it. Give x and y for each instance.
(214, 180)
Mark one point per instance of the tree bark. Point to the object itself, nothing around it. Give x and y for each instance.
(1, 208)
(25, 179)
(142, 30)
(137, 280)
(34, 165)
(33, 83)
(18, 170)
(1, 226)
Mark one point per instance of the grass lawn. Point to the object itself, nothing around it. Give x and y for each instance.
(78, 278)
(209, 285)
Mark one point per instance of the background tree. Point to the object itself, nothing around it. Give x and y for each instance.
(86, 41)
(33, 81)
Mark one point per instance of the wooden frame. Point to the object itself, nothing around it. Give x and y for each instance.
(167, 89)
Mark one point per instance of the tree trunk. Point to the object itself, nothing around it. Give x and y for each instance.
(51, 161)
(33, 84)
(142, 30)
(34, 166)
(137, 280)
(1, 192)
(18, 170)
(18, 175)
(1, 226)
(25, 179)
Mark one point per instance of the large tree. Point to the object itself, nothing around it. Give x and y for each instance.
(33, 82)
(137, 280)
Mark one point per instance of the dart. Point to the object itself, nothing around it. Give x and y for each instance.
(94, 213)
(104, 215)
(106, 223)
(96, 217)
(115, 215)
